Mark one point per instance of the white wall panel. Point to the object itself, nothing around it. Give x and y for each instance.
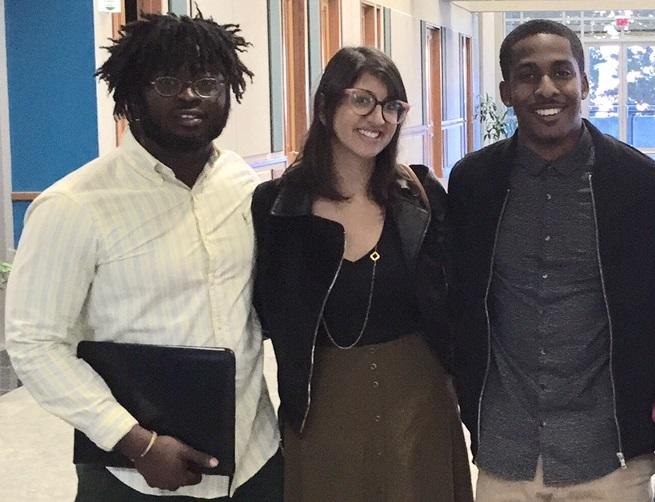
(406, 53)
(6, 218)
(410, 149)
(444, 13)
(248, 130)
(106, 125)
(351, 19)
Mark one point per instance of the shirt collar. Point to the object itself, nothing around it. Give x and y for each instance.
(148, 165)
(580, 156)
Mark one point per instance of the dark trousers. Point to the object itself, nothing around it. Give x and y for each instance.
(97, 484)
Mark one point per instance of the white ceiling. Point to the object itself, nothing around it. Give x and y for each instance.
(543, 5)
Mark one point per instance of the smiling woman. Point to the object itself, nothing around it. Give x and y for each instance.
(350, 287)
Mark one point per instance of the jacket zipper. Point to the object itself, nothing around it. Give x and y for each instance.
(425, 232)
(318, 323)
(486, 310)
(619, 454)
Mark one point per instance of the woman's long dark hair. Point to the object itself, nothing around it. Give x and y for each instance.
(314, 168)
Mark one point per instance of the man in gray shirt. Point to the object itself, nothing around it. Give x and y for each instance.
(540, 247)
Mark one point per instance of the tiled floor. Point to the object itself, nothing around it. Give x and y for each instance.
(35, 452)
(36, 448)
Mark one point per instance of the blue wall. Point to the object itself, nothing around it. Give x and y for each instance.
(52, 92)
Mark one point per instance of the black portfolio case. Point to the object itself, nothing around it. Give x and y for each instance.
(184, 392)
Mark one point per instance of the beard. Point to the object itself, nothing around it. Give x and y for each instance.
(171, 141)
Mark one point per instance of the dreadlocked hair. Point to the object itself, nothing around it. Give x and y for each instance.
(157, 43)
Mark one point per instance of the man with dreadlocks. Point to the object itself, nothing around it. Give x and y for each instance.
(150, 244)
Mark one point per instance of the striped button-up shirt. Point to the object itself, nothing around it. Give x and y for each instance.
(120, 250)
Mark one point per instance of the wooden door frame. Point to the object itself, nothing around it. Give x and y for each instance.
(468, 92)
(434, 115)
(331, 38)
(372, 25)
(294, 40)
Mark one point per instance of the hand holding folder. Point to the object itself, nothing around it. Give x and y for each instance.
(186, 393)
(168, 463)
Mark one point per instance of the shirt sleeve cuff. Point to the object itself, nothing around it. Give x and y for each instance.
(112, 428)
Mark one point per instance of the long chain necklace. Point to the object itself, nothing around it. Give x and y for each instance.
(374, 257)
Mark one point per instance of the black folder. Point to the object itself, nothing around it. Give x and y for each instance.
(184, 392)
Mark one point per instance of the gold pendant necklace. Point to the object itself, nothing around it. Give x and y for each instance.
(374, 257)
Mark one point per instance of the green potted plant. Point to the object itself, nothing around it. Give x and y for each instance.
(5, 268)
(494, 122)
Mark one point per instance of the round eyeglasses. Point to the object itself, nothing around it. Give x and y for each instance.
(363, 102)
(206, 87)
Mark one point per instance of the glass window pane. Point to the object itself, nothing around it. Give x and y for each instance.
(606, 122)
(599, 28)
(602, 14)
(510, 25)
(603, 72)
(641, 95)
(452, 76)
(556, 15)
(641, 27)
(454, 146)
(574, 23)
(644, 13)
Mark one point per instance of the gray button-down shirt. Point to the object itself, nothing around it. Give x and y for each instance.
(549, 391)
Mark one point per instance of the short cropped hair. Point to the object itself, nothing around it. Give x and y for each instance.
(535, 27)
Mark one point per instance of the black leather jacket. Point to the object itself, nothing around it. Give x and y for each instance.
(298, 255)
(623, 192)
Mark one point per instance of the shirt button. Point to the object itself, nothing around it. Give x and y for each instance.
(542, 423)
(373, 366)
(376, 384)
(379, 453)
(547, 238)
(542, 351)
(548, 196)
(378, 418)
(544, 276)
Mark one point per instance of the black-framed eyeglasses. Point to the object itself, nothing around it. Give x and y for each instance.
(363, 102)
(205, 87)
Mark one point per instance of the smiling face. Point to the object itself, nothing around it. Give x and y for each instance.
(361, 138)
(546, 89)
(184, 122)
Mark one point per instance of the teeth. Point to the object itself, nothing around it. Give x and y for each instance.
(369, 133)
(548, 112)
